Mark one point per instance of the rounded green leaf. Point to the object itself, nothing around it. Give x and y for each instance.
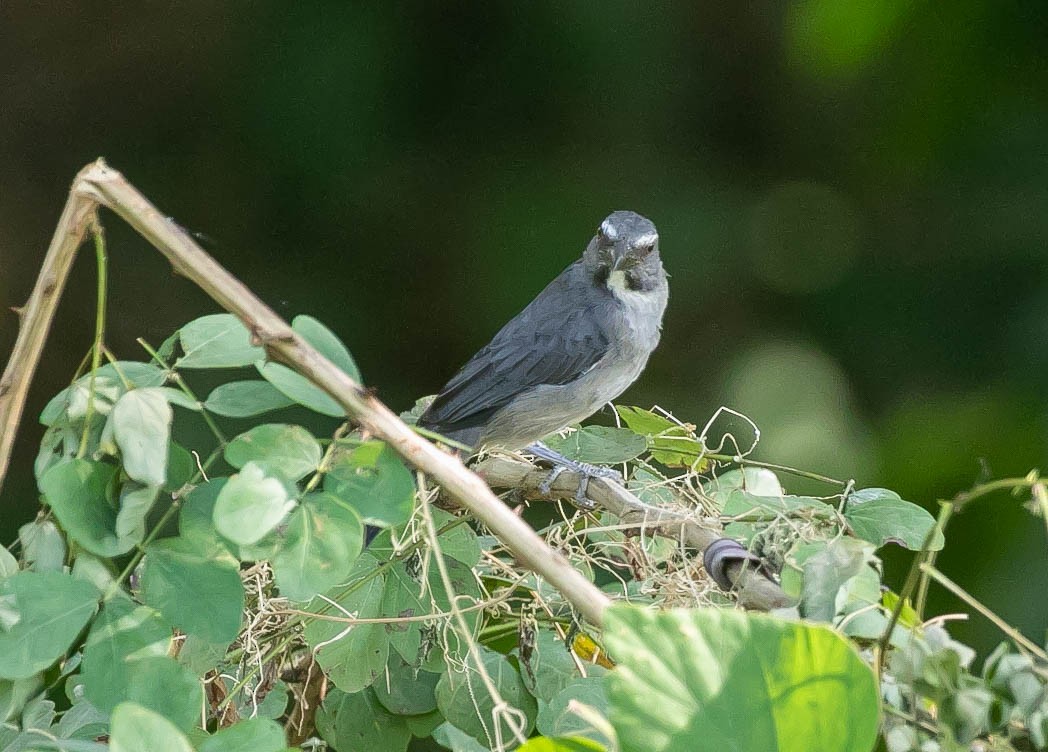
(141, 426)
(121, 634)
(298, 387)
(78, 492)
(249, 735)
(217, 341)
(880, 516)
(250, 504)
(323, 539)
(557, 718)
(284, 450)
(49, 610)
(466, 703)
(406, 690)
(353, 655)
(374, 481)
(134, 728)
(196, 589)
(43, 547)
(599, 445)
(244, 399)
(718, 679)
(358, 721)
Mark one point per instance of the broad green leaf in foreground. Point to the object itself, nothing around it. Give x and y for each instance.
(196, 589)
(217, 341)
(244, 399)
(374, 481)
(599, 445)
(358, 721)
(466, 703)
(50, 609)
(557, 718)
(250, 504)
(250, 735)
(286, 450)
(141, 426)
(298, 387)
(358, 656)
(728, 680)
(880, 516)
(43, 548)
(324, 537)
(137, 729)
(122, 633)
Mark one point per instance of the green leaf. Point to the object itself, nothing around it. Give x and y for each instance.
(178, 398)
(141, 425)
(405, 596)
(217, 341)
(250, 735)
(164, 686)
(557, 719)
(244, 399)
(109, 385)
(460, 542)
(563, 744)
(43, 547)
(251, 504)
(358, 721)
(298, 387)
(406, 690)
(122, 634)
(285, 450)
(374, 481)
(739, 503)
(134, 728)
(353, 656)
(599, 445)
(456, 739)
(880, 516)
(180, 467)
(196, 589)
(467, 705)
(324, 537)
(719, 679)
(816, 573)
(758, 481)
(8, 565)
(78, 492)
(671, 443)
(328, 343)
(553, 667)
(135, 503)
(51, 609)
(15, 694)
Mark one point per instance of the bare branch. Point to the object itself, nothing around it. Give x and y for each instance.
(36, 316)
(754, 589)
(98, 183)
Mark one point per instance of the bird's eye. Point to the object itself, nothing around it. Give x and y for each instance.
(644, 250)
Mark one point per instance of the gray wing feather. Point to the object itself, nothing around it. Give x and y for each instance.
(554, 340)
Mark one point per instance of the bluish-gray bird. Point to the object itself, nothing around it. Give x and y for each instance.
(575, 347)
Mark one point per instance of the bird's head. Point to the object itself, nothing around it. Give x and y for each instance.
(624, 254)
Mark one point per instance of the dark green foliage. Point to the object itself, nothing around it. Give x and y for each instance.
(208, 634)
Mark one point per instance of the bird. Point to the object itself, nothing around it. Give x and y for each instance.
(577, 346)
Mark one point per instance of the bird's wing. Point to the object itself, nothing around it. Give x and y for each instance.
(556, 339)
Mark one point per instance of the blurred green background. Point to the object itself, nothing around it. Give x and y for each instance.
(852, 199)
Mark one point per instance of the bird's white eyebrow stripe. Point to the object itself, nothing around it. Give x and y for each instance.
(646, 239)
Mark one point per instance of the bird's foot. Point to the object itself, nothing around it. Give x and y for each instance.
(585, 470)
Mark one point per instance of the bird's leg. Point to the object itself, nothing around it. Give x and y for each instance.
(561, 463)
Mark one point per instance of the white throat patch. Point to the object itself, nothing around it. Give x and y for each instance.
(620, 288)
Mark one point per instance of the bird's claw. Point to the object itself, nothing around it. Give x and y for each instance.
(547, 485)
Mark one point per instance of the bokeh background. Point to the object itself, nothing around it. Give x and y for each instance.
(852, 198)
